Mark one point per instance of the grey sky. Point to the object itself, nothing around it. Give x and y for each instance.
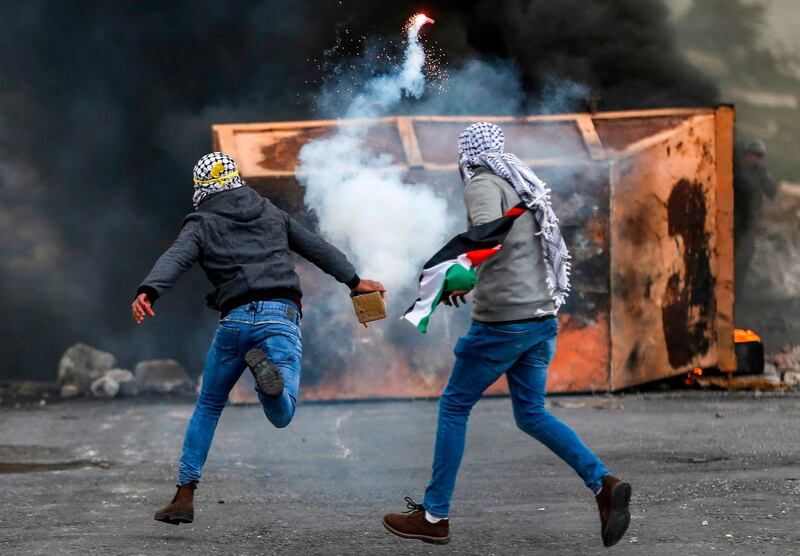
(783, 17)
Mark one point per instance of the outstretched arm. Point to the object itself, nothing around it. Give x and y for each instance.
(328, 258)
(182, 254)
(322, 254)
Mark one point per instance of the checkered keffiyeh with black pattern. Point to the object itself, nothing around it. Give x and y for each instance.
(213, 173)
(482, 144)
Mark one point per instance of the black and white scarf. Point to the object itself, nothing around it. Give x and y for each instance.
(213, 173)
(481, 144)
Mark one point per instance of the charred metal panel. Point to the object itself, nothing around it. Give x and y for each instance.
(663, 256)
(724, 117)
(272, 150)
(688, 303)
(618, 133)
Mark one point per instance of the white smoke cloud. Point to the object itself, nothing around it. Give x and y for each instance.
(362, 201)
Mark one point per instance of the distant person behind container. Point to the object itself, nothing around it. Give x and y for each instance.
(751, 182)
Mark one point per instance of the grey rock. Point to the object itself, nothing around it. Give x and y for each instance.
(81, 365)
(162, 376)
(792, 379)
(105, 387)
(70, 391)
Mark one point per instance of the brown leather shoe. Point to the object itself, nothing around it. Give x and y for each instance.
(181, 509)
(413, 525)
(613, 502)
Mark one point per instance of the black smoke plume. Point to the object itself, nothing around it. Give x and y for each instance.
(106, 106)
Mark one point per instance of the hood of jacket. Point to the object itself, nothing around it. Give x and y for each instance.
(242, 204)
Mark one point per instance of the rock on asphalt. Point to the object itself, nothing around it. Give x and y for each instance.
(712, 474)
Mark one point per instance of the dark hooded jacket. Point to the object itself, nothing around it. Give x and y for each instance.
(243, 243)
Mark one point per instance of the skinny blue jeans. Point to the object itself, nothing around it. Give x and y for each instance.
(523, 352)
(272, 326)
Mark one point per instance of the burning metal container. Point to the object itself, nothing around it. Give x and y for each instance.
(645, 201)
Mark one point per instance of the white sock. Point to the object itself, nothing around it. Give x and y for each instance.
(432, 519)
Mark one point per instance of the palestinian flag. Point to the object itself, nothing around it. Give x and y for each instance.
(453, 267)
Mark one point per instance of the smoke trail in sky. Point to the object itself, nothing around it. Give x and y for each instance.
(361, 198)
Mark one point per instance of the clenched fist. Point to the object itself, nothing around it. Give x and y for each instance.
(451, 298)
(367, 286)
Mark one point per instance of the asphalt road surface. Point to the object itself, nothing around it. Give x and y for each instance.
(711, 474)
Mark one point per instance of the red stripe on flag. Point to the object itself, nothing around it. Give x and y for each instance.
(479, 255)
(515, 211)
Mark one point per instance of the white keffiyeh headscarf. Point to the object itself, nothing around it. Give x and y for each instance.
(482, 144)
(213, 173)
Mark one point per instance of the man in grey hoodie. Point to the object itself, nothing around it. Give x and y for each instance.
(244, 244)
(513, 332)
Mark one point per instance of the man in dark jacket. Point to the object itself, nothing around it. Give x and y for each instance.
(244, 244)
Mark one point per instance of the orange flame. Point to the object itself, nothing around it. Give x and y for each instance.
(692, 375)
(741, 336)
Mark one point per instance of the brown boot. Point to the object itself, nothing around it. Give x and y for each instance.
(268, 376)
(613, 502)
(181, 509)
(413, 525)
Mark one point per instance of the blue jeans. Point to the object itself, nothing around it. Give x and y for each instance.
(522, 351)
(273, 327)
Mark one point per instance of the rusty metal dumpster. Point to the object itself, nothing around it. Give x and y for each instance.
(645, 201)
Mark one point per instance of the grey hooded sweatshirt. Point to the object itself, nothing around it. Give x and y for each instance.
(512, 285)
(243, 243)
